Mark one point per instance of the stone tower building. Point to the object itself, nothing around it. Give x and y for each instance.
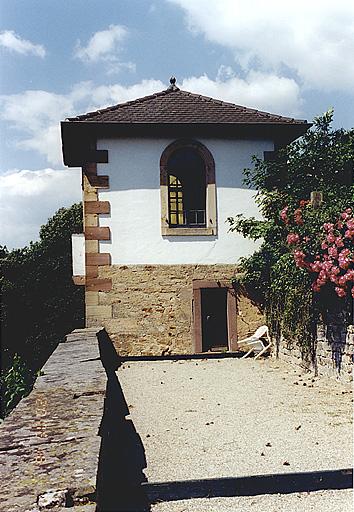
(160, 176)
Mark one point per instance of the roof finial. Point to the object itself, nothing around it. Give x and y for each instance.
(173, 86)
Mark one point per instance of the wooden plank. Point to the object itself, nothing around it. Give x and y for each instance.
(79, 280)
(94, 284)
(97, 207)
(99, 181)
(103, 258)
(97, 233)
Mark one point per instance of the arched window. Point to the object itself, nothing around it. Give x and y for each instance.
(186, 188)
(188, 202)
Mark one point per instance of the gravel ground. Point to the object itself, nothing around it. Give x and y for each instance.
(229, 418)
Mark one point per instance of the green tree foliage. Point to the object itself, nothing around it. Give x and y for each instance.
(322, 160)
(40, 303)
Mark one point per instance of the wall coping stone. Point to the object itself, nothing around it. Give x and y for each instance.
(49, 441)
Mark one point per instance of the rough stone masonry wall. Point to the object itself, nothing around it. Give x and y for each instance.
(149, 309)
(334, 352)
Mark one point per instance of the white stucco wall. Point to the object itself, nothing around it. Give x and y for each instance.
(134, 195)
(78, 254)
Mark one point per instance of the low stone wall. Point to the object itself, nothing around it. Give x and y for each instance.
(334, 353)
(149, 310)
(49, 442)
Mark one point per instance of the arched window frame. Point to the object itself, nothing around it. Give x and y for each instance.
(207, 157)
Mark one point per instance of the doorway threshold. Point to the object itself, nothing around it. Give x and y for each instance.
(186, 357)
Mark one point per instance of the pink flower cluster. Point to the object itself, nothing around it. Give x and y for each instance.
(299, 257)
(293, 238)
(297, 214)
(284, 215)
(335, 263)
(329, 271)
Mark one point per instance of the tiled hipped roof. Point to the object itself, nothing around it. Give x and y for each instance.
(174, 106)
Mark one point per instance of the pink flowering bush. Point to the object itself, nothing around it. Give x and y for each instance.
(332, 261)
(303, 269)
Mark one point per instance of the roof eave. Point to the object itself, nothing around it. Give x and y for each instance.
(77, 136)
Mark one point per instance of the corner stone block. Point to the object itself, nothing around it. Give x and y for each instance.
(102, 312)
(97, 207)
(92, 298)
(94, 284)
(91, 246)
(99, 181)
(98, 259)
(97, 233)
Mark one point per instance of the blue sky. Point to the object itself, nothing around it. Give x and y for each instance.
(63, 58)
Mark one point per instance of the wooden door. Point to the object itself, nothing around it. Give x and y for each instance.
(214, 319)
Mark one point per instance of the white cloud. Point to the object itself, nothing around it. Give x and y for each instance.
(102, 43)
(105, 45)
(13, 42)
(104, 95)
(315, 40)
(29, 198)
(258, 90)
(36, 115)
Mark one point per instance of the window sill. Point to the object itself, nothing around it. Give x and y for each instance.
(166, 231)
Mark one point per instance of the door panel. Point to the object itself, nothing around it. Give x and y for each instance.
(214, 318)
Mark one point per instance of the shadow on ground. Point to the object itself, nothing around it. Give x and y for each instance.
(122, 455)
(250, 485)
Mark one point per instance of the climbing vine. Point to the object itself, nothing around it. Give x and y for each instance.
(300, 267)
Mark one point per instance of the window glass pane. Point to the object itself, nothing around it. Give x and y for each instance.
(175, 201)
(187, 186)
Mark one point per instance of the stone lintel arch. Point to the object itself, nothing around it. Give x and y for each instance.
(209, 164)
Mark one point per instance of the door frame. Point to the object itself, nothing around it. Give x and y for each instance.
(231, 313)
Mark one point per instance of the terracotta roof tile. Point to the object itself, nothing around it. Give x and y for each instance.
(174, 106)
